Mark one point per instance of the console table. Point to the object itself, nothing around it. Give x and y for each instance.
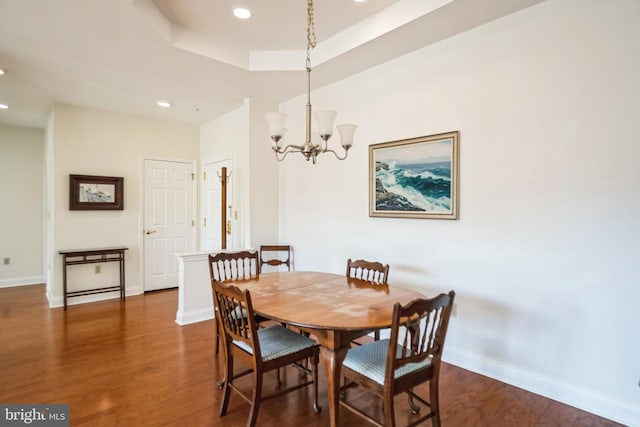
(92, 256)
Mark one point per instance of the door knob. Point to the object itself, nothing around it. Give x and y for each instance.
(149, 231)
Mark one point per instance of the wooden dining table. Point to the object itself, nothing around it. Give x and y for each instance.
(335, 309)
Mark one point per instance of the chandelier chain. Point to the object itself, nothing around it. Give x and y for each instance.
(311, 32)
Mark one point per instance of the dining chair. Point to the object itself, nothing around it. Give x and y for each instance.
(238, 265)
(231, 266)
(410, 357)
(260, 350)
(369, 271)
(275, 255)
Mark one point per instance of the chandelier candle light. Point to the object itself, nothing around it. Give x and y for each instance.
(324, 119)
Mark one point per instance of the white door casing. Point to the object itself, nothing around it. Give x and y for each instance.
(169, 220)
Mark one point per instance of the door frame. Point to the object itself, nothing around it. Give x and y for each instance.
(195, 236)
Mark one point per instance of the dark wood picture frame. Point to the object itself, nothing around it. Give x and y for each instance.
(89, 192)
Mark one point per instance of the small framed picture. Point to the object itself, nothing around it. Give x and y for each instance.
(88, 192)
(415, 178)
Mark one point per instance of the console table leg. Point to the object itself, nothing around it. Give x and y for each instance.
(64, 280)
(122, 282)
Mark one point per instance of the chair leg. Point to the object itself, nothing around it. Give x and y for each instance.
(216, 346)
(306, 334)
(376, 335)
(255, 403)
(314, 373)
(226, 390)
(434, 401)
(414, 408)
(217, 334)
(388, 410)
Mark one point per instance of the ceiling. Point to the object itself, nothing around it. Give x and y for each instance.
(124, 55)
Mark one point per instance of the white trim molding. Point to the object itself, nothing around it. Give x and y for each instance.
(193, 316)
(21, 281)
(195, 299)
(59, 301)
(545, 386)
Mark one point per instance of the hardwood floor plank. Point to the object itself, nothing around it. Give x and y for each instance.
(130, 364)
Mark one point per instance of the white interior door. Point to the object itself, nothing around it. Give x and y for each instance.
(169, 221)
(212, 205)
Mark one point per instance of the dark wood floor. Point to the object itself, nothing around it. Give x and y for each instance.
(131, 365)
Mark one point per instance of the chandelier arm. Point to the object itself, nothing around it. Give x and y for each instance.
(283, 156)
(289, 148)
(346, 152)
(286, 150)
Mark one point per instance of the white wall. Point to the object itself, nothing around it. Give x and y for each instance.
(227, 137)
(21, 213)
(48, 236)
(264, 178)
(241, 135)
(92, 142)
(544, 257)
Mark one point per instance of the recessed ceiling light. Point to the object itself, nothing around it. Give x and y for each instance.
(242, 13)
(1, 71)
(3, 106)
(359, 1)
(163, 104)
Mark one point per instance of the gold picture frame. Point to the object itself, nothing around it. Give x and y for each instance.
(415, 178)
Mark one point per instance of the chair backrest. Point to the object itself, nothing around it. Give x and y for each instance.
(275, 255)
(228, 266)
(236, 317)
(373, 272)
(420, 328)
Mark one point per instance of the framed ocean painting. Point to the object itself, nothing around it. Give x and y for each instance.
(415, 178)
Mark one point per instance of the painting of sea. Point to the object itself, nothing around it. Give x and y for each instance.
(415, 178)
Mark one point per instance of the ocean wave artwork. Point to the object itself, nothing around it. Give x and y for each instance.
(414, 177)
(414, 187)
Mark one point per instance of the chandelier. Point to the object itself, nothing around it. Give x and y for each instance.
(324, 119)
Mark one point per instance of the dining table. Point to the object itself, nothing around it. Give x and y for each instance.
(334, 308)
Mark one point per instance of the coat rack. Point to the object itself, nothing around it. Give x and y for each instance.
(224, 227)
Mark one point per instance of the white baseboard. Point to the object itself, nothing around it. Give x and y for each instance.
(133, 291)
(548, 387)
(21, 281)
(186, 318)
(84, 299)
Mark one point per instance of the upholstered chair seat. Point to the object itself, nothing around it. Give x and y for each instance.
(371, 360)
